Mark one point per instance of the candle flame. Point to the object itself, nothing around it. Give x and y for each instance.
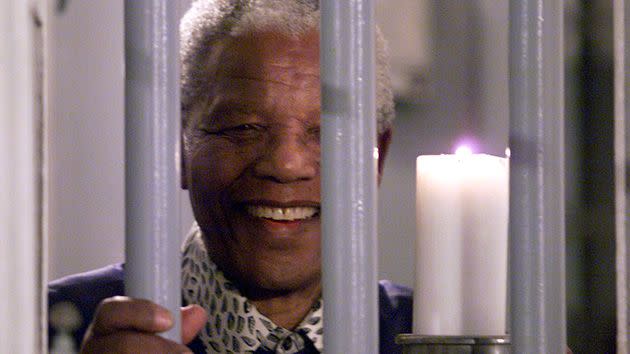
(463, 151)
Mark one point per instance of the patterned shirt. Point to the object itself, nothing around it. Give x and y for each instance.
(234, 324)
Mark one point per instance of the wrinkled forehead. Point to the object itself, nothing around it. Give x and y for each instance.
(268, 55)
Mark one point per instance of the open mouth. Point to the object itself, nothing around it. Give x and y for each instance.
(282, 214)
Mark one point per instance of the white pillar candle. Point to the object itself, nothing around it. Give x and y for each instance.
(461, 245)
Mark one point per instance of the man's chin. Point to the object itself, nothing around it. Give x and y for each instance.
(262, 284)
(259, 265)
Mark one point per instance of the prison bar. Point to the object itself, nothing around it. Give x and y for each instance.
(21, 321)
(621, 22)
(536, 138)
(152, 127)
(348, 170)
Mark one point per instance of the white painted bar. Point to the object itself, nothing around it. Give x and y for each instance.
(348, 169)
(537, 281)
(152, 124)
(621, 17)
(20, 281)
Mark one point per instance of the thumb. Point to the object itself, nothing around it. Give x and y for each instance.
(194, 317)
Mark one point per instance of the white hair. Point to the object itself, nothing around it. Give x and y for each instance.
(209, 21)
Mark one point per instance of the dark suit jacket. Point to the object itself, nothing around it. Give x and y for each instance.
(86, 291)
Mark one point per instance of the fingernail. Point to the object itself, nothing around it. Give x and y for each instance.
(163, 319)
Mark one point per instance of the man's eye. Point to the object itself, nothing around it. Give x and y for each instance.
(237, 129)
(244, 128)
(241, 131)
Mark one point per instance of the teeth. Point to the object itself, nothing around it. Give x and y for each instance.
(282, 214)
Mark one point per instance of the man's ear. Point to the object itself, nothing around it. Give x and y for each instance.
(182, 161)
(384, 139)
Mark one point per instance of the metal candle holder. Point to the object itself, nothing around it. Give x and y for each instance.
(423, 344)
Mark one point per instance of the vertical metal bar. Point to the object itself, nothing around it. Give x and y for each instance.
(19, 201)
(621, 21)
(152, 124)
(349, 176)
(537, 282)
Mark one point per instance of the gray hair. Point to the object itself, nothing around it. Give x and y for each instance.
(209, 21)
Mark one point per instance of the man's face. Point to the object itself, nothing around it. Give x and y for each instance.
(252, 167)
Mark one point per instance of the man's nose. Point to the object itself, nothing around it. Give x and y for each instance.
(288, 159)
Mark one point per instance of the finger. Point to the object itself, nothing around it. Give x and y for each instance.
(132, 342)
(194, 317)
(120, 313)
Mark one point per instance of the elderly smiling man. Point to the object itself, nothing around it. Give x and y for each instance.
(251, 272)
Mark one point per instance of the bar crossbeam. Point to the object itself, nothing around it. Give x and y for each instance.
(537, 281)
(349, 176)
(152, 122)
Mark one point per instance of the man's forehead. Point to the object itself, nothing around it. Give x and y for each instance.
(244, 99)
(269, 53)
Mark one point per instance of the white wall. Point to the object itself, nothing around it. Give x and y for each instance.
(85, 129)
(84, 124)
(467, 97)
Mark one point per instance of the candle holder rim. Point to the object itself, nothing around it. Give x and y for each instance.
(410, 338)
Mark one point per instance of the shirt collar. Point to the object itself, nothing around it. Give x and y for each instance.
(234, 324)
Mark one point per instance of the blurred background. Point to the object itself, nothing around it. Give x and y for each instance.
(449, 60)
